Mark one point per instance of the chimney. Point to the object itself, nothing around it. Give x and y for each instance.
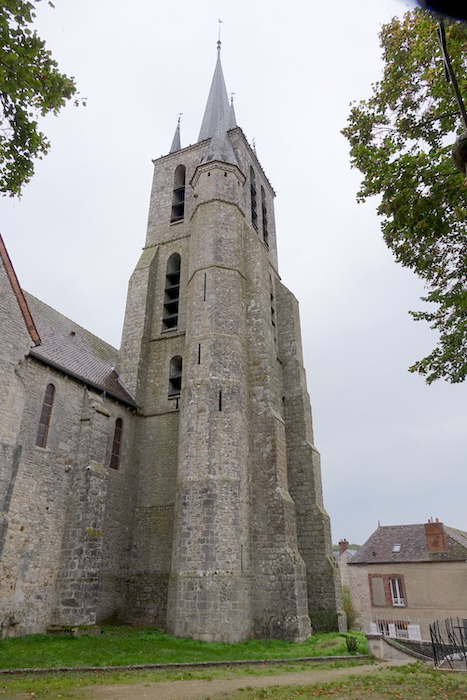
(343, 545)
(435, 536)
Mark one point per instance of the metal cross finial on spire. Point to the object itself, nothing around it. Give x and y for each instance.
(219, 35)
(179, 117)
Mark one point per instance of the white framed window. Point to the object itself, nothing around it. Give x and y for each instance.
(397, 593)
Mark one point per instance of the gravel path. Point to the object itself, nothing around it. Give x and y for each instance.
(202, 689)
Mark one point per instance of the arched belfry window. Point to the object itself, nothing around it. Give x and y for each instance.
(178, 197)
(253, 198)
(46, 415)
(172, 291)
(175, 377)
(264, 214)
(117, 444)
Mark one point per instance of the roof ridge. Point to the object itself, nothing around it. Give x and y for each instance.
(19, 293)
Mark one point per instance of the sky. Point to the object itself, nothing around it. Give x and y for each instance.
(393, 449)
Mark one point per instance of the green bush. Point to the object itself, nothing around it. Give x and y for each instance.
(324, 621)
(352, 643)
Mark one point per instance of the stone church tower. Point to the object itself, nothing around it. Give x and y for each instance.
(230, 539)
(174, 482)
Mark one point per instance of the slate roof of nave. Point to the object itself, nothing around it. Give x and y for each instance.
(379, 548)
(76, 351)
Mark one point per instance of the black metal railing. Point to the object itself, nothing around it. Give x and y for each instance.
(449, 641)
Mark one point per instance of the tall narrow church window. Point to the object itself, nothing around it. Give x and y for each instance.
(254, 204)
(172, 292)
(116, 444)
(264, 213)
(46, 415)
(175, 377)
(178, 197)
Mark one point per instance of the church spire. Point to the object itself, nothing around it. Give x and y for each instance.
(176, 143)
(217, 116)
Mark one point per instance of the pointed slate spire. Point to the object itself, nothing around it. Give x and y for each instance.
(176, 143)
(217, 114)
(217, 119)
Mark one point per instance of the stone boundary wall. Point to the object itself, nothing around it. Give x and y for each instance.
(197, 664)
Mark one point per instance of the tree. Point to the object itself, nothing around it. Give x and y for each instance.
(31, 86)
(401, 140)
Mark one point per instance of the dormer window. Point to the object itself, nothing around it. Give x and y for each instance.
(396, 548)
(178, 197)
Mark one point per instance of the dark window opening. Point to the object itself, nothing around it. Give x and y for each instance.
(172, 292)
(254, 204)
(199, 354)
(178, 197)
(116, 444)
(273, 307)
(175, 376)
(220, 400)
(46, 415)
(273, 302)
(264, 214)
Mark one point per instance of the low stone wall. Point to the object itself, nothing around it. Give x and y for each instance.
(385, 648)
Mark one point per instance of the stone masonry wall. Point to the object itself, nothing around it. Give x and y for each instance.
(54, 543)
(304, 470)
(15, 345)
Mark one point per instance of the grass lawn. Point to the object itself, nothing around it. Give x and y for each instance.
(120, 646)
(412, 682)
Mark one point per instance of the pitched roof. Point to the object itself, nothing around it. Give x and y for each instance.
(348, 552)
(18, 292)
(379, 548)
(75, 351)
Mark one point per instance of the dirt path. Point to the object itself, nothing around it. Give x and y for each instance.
(202, 689)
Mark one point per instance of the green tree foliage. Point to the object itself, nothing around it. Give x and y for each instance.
(31, 86)
(401, 140)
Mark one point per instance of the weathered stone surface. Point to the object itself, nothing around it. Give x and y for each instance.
(213, 525)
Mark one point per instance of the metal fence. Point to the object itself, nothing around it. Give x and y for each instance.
(449, 641)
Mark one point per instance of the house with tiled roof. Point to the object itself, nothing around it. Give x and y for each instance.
(406, 577)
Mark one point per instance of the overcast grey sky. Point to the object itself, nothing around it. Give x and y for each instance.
(393, 450)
